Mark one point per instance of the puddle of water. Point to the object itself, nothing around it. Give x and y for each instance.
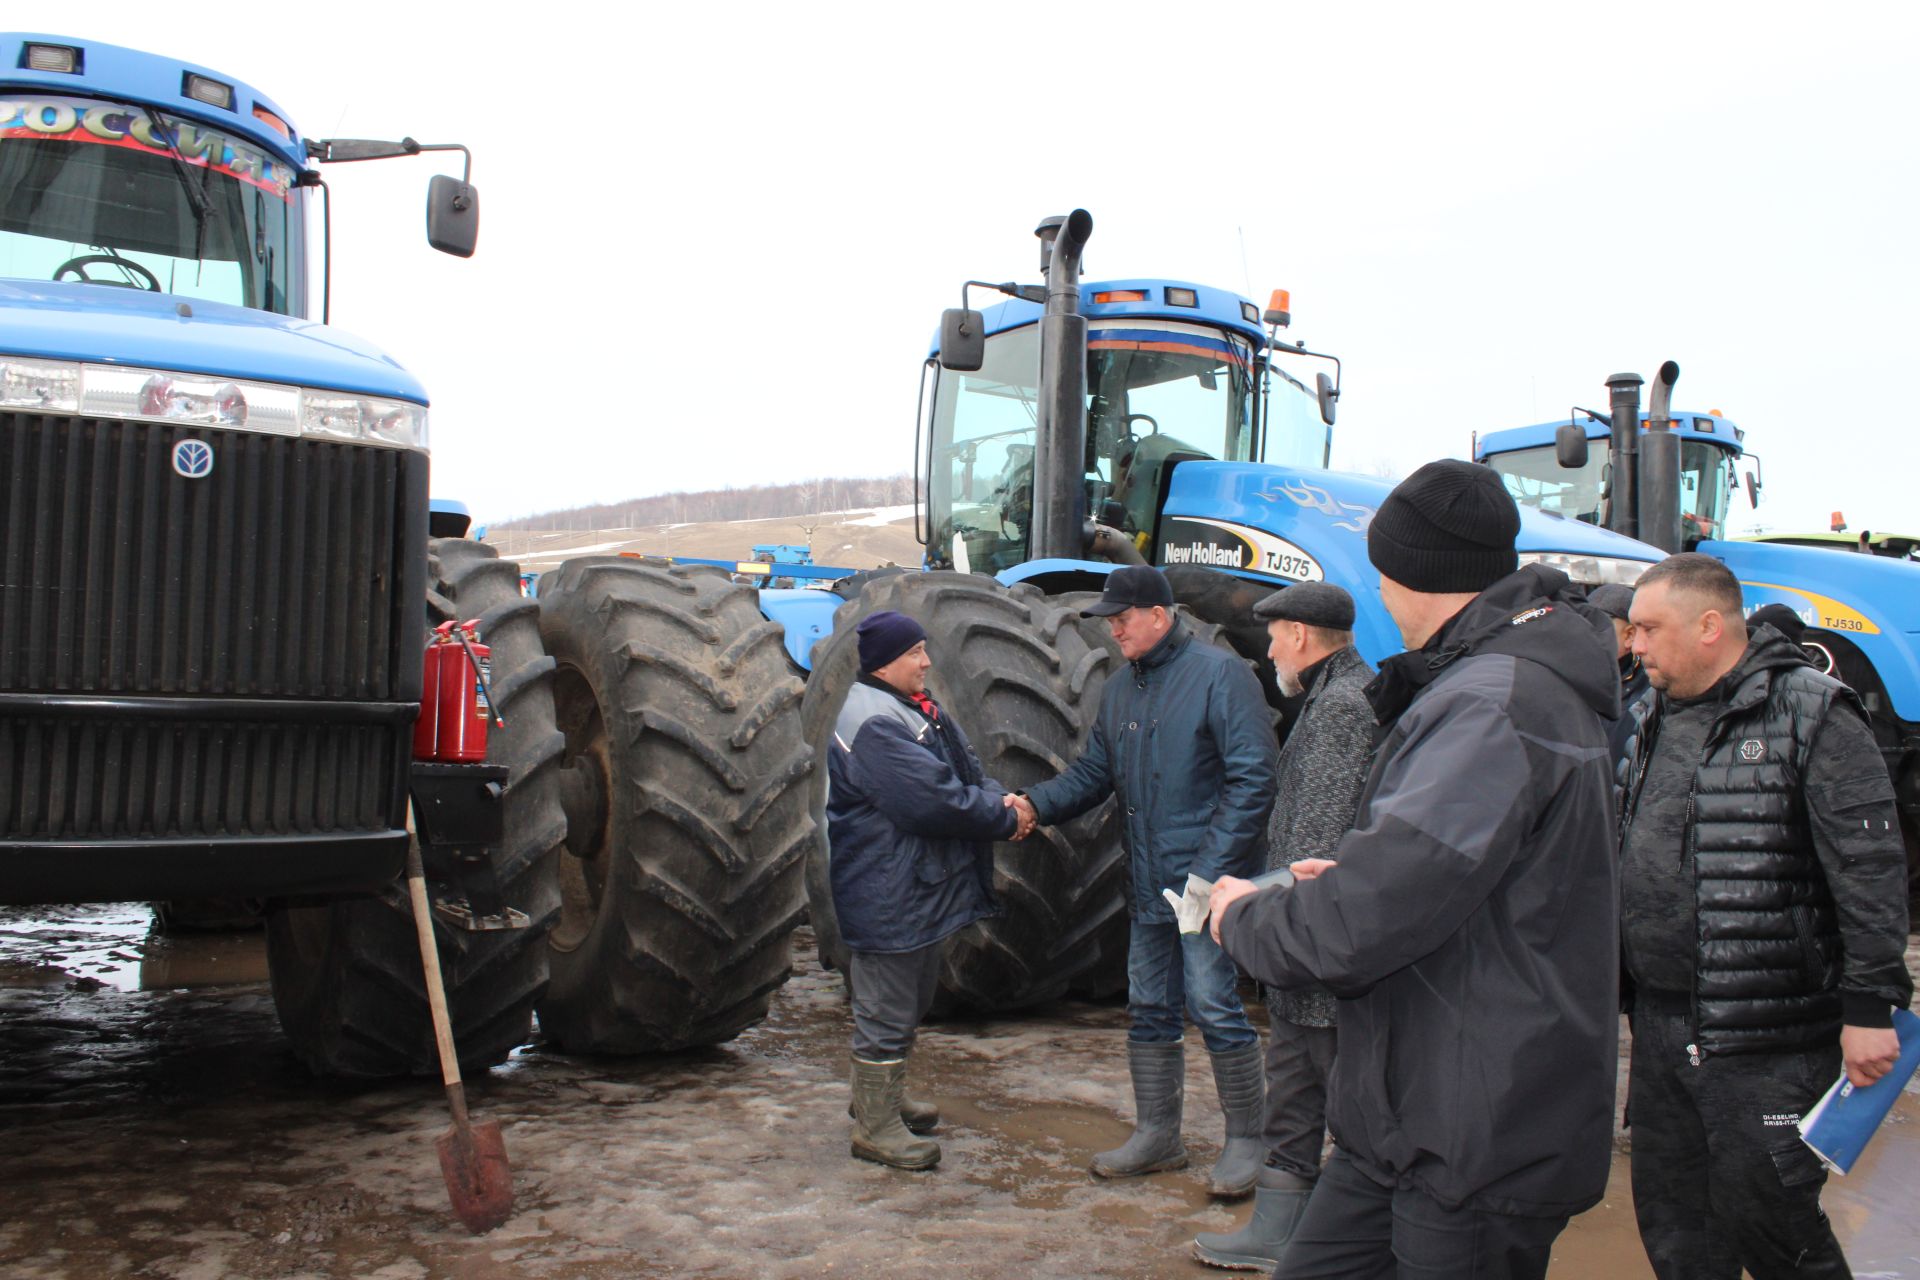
(115, 945)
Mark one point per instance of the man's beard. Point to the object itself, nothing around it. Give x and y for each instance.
(1289, 682)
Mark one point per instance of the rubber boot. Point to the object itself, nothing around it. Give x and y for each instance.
(1279, 1200)
(1241, 1078)
(878, 1133)
(1159, 1080)
(921, 1117)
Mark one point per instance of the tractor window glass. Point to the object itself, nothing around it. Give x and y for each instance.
(1705, 490)
(1295, 434)
(981, 489)
(91, 191)
(1535, 478)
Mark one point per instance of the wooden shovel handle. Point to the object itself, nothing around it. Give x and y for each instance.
(436, 992)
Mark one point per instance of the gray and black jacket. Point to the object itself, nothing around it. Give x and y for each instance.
(1470, 927)
(1323, 769)
(911, 818)
(1798, 915)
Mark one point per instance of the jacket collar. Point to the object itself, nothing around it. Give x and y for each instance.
(930, 710)
(1167, 648)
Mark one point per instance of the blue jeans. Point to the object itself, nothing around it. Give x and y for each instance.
(1168, 970)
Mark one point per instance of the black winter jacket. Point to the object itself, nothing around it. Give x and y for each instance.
(1799, 872)
(1185, 743)
(910, 820)
(1470, 926)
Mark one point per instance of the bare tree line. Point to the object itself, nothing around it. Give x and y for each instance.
(754, 502)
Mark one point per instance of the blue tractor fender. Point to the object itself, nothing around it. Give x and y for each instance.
(807, 616)
(1870, 601)
(448, 518)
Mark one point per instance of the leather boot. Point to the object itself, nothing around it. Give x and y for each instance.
(878, 1133)
(1279, 1200)
(1159, 1080)
(1241, 1078)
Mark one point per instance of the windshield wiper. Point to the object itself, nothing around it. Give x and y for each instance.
(196, 197)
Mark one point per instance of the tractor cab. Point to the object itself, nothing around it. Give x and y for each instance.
(1175, 373)
(1539, 473)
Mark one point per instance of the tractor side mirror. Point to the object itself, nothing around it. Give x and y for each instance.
(1753, 489)
(1328, 395)
(1570, 446)
(453, 215)
(963, 340)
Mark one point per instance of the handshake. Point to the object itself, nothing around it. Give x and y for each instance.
(1027, 816)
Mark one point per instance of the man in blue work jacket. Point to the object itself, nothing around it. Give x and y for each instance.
(1185, 744)
(911, 817)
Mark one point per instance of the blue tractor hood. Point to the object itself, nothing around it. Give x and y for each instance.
(106, 325)
(1288, 524)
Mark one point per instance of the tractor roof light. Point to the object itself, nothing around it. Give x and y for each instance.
(1121, 295)
(208, 90)
(1177, 297)
(51, 57)
(1249, 313)
(272, 122)
(1280, 309)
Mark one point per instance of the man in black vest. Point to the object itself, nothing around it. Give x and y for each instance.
(1764, 921)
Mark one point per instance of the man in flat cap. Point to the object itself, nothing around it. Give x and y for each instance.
(1322, 769)
(1185, 745)
(911, 817)
(1616, 600)
(1468, 922)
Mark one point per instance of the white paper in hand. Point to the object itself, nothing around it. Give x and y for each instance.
(1190, 909)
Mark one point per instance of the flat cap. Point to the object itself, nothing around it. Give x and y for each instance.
(1612, 599)
(1318, 604)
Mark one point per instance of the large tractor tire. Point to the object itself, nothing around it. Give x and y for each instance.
(1022, 675)
(684, 788)
(346, 975)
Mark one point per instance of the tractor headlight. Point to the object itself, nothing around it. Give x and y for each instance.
(163, 395)
(1590, 571)
(372, 419)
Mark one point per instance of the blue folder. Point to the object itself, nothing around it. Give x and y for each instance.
(1840, 1123)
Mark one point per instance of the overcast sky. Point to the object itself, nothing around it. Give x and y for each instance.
(715, 239)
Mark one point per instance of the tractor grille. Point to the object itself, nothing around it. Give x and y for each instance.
(123, 779)
(283, 573)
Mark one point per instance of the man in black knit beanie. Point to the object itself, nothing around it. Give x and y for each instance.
(1467, 920)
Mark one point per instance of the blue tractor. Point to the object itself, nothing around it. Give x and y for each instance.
(1674, 487)
(1072, 428)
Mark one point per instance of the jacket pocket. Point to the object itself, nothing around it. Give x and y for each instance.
(940, 860)
(1811, 963)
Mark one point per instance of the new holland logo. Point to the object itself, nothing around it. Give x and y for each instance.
(1752, 751)
(193, 459)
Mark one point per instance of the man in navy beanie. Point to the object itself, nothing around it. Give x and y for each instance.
(1467, 922)
(911, 818)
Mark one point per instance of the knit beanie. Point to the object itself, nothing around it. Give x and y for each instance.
(1448, 527)
(884, 636)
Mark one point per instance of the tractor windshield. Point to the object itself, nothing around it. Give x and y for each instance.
(112, 194)
(1157, 394)
(1535, 478)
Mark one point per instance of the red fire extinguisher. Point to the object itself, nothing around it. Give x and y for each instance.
(456, 697)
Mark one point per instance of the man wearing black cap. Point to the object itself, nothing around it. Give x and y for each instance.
(1184, 744)
(1322, 768)
(910, 820)
(1468, 920)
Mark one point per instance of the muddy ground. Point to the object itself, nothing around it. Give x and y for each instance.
(154, 1125)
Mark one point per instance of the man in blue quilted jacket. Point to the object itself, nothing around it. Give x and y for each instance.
(911, 817)
(1185, 746)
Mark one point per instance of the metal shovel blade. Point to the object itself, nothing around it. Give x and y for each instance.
(474, 1163)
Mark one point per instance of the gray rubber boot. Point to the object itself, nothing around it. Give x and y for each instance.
(878, 1133)
(1159, 1089)
(1241, 1078)
(921, 1117)
(1278, 1202)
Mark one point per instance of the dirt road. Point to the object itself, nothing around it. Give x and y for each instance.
(154, 1125)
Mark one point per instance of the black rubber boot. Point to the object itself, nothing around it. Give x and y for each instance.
(878, 1134)
(1159, 1080)
(1279, 1200)
(1241, 1078)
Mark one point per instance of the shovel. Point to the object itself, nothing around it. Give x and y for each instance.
(473, 1157)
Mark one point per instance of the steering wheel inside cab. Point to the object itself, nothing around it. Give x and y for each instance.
(78, 268)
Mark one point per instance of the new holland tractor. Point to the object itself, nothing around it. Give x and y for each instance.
(1074, 427)
(217, 571)
(1673, 483)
